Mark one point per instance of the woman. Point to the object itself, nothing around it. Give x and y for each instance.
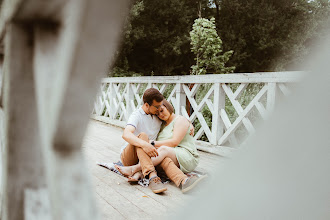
(174, 142)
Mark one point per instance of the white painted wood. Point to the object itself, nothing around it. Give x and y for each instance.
(181, 92)
(129, 97)
(261, 110)
(22, 144)
(162, 88)
(233, 140)
(210, 105)
(271, 95)
(225, 119)
(138, 99)
(282, 77)
(119, 105)
(51, 75)
(247, 123)
(197, 108)
(284, 89)
(184, 112)
(199, 133)
(106, 101)
(206, 97)
(107, 120)
(239, 120)
(195, 89)
(222, 151)
(217, 123)
(180, 98)
(171, 98)
(239, 90)
(36, 204)
(112, 95)
(192, 117)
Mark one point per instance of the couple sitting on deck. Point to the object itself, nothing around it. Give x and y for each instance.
(158, 137)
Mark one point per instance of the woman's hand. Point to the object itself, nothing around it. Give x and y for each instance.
(192, 130)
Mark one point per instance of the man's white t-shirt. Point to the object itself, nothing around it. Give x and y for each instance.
(149, 124)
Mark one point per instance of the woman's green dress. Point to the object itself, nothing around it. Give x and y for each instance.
(186, 151)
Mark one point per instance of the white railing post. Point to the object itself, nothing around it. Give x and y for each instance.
(112, 97)
(106, 101)
(271, 96)
(218, 104)
(180, 98)
(129, 97)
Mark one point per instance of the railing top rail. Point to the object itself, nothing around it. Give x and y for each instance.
(281, 77)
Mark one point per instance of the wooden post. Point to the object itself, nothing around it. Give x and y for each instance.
(129, 97)
(180, 99)
(112, 97)
(51, 77)
(24, 167)
(271, 96)
(218, 104)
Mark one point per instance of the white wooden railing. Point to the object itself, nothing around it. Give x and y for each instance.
(225, 107)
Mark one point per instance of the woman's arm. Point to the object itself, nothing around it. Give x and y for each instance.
(180, 129)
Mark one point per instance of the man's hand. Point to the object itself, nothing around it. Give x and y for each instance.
(150, 150)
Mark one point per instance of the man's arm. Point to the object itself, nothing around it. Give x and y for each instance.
(129, 136)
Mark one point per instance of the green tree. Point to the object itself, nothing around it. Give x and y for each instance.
(207, 46)
(266, 35)
(157, 38)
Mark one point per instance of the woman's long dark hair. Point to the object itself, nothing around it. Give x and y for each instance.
(168, 105)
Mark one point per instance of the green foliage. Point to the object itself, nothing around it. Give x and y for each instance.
(265, 35)
(207, 46)
(268, 35)
(157, 38)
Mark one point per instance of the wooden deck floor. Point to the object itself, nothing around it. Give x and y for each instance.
(116, 198)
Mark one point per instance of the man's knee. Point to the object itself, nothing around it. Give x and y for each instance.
(143, 136)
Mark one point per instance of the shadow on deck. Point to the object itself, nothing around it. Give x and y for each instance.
(116, 198)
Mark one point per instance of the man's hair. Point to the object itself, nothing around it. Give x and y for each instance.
(152, 94)
(168, 105)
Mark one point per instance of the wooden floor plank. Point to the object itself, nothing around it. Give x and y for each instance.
(117, 198)
(106, 209)
(120, 184)
(171, 199)
(123, 205)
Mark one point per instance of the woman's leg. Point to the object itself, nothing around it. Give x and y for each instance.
(163, 152)
(173, 172)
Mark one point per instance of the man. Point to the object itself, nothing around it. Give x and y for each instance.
(143, 125)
